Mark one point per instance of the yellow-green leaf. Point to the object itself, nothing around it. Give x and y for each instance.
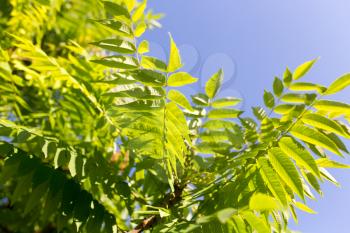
(283, 109)
(301, 70)
(174, 57)
(225, 102)
(116, 10)
(304, 207)
(327, 163)
(258, 224)
(285, 168)
(214, 84)
(303, 86)
(277, 87)
(269, 99)
(332, 106)
(179, 99)
(314, 137)
(261, 202)
(223, 113)
(301, 156)
(116, 45)
(321, 122)
(140, 29)
(139, 11)
(339, 84)
(120, 62)
(272, 181)
(293, 98)
(153, 63)
(143, 47)
(180, 79)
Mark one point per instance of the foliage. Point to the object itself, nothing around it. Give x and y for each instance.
(96, 136)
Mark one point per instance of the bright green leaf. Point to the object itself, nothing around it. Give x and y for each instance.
(180, 99)
(301, 70)
(225, 102)
(261, 202)
(286, 170)
(272, 181)
(180, 79)
(174, 62)
(214, 84)
(339, 84)
(269, 99)
(277, 86)
(302, 157)
(314, 137)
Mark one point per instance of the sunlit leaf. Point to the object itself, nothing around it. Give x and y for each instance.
(301, 70)
(214, 84)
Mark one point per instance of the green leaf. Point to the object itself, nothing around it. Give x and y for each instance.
(214, 84)
(140, 29)
(174, 62)
(120, 28)
(153, 63)
(224, 113)
(314, 137)
(218, 124)
(269, 100)
(321, 122)
(294, 98)
(120, 62)
(302, 86)
(301, 156)
(339, 84)
(116, 10)
(149, 77)
(313, 181)
(225, 214)
(332, 106)
(328, 176)
(287, 77)
(180, 99)
(262, 202)
(301, 70)
(138, 13)
(239, 224)
(116, 45)
(286, 170)
(180, 79)
(200, 99)
(225, 102)
(258, 224)
(337, 141)
(259, 113)
(272, 181)
(277, 86)
(304, 207)
(144, 48)
(283, 109)
(327, 163)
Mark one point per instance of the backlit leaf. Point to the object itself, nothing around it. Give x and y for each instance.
(285, 168)
(179, 99)
(214, 84)
(339, 84)
(272, 181)
(174, 62)
(180, 79)
(314, 137)
(301, 70)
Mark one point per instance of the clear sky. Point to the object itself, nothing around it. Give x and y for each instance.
(254, 40)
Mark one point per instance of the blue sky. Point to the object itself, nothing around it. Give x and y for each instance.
(254, 40)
